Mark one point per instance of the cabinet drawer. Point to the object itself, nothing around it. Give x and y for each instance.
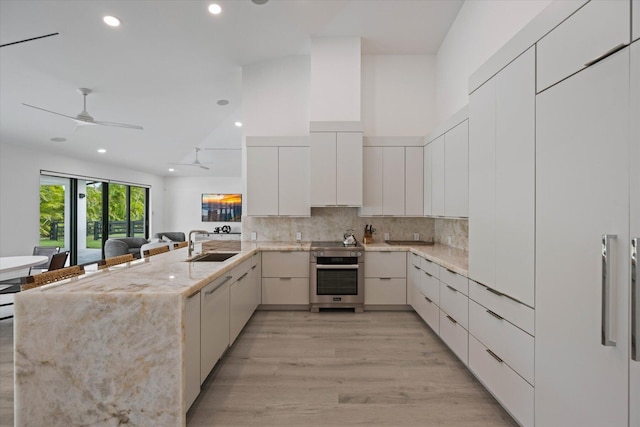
(385, 291)
(428, 310)
(285, 264)
(285, 290)
(589, 33)
(430, 267)
(513, 392)
(519, 314)
(455, 304)
(385, 264)
(414, 259)
(430, 287)
(454, 280)
(455, 336)
(511, 344)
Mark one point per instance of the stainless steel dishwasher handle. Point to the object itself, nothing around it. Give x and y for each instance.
(635, 302)
(337, 267)
(608, 333)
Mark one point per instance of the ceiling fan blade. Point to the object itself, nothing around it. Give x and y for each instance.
(119, 125)
(53, 112)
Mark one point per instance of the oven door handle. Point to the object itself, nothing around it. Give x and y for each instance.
(337, 267)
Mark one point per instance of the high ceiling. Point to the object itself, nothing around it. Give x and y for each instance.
(168, 64)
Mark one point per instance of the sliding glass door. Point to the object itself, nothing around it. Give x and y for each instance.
(80, 214)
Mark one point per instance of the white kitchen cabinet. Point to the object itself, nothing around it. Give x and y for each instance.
(428, 179)
(385, 281)
(336, 168)
(278, 181)
(482, 184)
(455, 336)
(413, 277)
(582, 193)
(455, 303)
(191, 349)
(502, 180)
(511, 390)
(241, 302)
(437, 177)
(515, 179)
(393, 174)
(373, 179)
(414, 194)
(456, 171)
(571, 46)
(293, 181)
(214, 323)
(285, 278)
(634, 161)
(262, 181)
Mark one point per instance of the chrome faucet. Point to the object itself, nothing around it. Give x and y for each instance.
(192, 244)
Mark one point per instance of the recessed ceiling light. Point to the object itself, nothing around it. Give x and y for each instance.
(222, 102)
(101, 150)
(171, 169)
(259, 1)
(215, 8)
(111, 21)
(58, 139)
(238, 124)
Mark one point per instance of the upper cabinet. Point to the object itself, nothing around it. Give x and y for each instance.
(278, 176)
(502, 180)
(446, 172)
(392, 177)
(559, 56)
(336, 168)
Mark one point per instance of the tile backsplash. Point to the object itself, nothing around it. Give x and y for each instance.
(331, 223)
(456, 229)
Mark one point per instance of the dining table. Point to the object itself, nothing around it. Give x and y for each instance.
(11, 266)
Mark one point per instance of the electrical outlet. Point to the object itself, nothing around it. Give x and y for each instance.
(449, 240)
(254, 236)
(386, 236)
(416, 236)
(298, 236)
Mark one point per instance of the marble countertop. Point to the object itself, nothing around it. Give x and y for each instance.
(172, 273)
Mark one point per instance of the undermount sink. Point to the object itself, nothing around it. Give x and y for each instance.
(408, 243)
(213, 257)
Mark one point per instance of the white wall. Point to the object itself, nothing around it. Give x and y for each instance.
(480, 29)
(275, 97)
(20, 192)
(335, 79)
(183, 198)
(398, 94)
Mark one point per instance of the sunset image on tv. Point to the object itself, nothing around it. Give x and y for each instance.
(221, 207)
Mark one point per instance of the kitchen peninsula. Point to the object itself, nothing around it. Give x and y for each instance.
(112, 347)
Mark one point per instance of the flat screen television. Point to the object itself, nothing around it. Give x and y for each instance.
(221, 207)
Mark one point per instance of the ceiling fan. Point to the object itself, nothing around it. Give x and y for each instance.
(195, 163)
(84, 117)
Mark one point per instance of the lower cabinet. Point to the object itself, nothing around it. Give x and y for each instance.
(285, 278)
(242, 297)
(385, 278)
(192, 349)
(455, 336)
(214, 323)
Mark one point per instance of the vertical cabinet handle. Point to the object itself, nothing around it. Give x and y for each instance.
(608, 336)
(635, 302)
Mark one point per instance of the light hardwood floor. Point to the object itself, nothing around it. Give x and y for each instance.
(326, 369)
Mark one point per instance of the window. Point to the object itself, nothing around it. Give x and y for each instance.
(75, 213)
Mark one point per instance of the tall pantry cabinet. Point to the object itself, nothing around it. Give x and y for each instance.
(502, 180)
(587, 192)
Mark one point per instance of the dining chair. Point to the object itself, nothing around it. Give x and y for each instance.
(155, 251)
(47, 277)
(58, 261)
(116, 260)
(48, 251)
